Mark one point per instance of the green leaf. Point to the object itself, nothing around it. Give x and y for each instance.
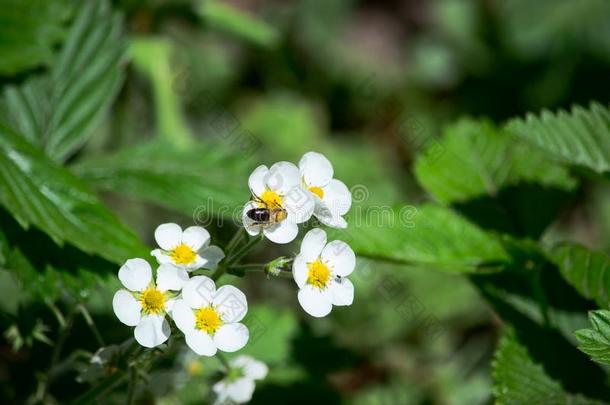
(429, 235)
(224, 17)
(519, 379)
(206, 178)
(28, 32)
(580, 137)
(38, 192)
(59, 110)
(587, 271)
(475, 159)
(596, 341)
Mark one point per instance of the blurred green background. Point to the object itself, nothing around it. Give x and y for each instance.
(201, 92)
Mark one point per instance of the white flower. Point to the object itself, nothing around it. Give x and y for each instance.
(144, 303)
(320, 271)
(238, 385)
(332, 197)
(188, 249)
(279, 190)
(209, 318)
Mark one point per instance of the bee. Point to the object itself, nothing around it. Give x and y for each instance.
(268, 214)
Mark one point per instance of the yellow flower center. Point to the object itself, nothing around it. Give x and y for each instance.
(207, 320)
(319, 274)
(317, 191)
(271, 199)
(152, 300)
(183, 254)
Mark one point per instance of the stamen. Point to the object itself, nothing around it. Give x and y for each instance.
(183, 254)
(207, 320)
(319, 274)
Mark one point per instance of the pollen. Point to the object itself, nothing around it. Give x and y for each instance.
(271, 199)
(207, 320)
(317, 191)
(183, 254)
(319, 274)
(152, 300)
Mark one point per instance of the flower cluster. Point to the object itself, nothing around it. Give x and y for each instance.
(208, 317)
(283, 196)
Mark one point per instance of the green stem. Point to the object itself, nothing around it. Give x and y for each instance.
(234, 242)
(224, 361)
(65, 325)
(242, 252)
(133, 377)
(91, 324)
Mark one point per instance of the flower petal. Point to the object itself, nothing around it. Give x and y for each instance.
(315, 302)
(253, 369)
(170, 277)
(200, 342)
(210, 257)
(282, 177)
(300, 204)
(199, 291)
(231, 337)
(342, 292)
(337, 197)
(168, 236)
(161, 256)
(183, 316)
(126, 307)
(340, 257)
(256, 180)
(135, 274)
(249, 224)
(315, 169)
(152, 330)
(240, 390)
(284, 232)
(326, 217)
(312, 245)
(231, 303)
(196, 237)
(300, 270)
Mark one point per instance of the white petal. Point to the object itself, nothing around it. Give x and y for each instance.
(326, 217)
(256, 182)
(211, 256)
(284, 232)
(126, 307)
(200, 342)
(312, 245)
(152, 330)
(196, 237)
(168, 236)
(282, 177)
(231, 337)
(135, 274)
(342, 292)
(249, 224)
(231, 303)
(199, 291)
(241, 390)
(170, 277)
(300, 204)
(337, 197)
(161, 256)
(315, 169)
(300, 270)
(340, 258)
(183, 316)
(315, 302)
(253, 369)
(169, 305)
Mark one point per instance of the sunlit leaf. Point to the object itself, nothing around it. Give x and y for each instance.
(596, 341)
(38, 192)
(59, 110)
(580, 137)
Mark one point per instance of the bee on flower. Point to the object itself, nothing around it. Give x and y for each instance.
(279, 203)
